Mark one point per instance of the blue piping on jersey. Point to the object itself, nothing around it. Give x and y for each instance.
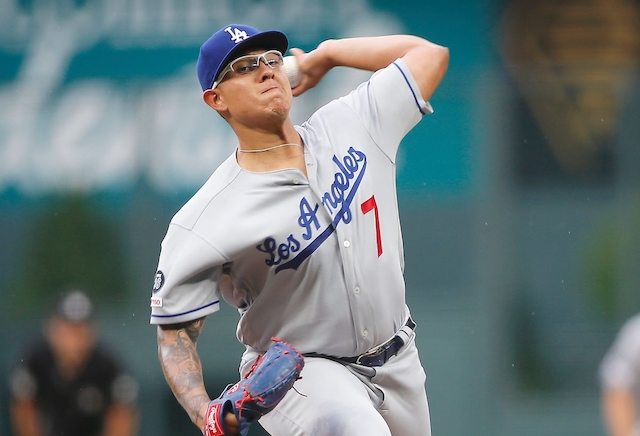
(315, 244)
(415, 97)
(187, 312)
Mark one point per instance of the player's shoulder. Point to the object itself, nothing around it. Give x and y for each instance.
(389, 85)
(393, 75)
(338, 116)
(205, 197)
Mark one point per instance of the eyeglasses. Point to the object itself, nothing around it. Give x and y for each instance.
(250, 63)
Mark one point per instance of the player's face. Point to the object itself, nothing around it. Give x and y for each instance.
(71, 342)
(254, 85)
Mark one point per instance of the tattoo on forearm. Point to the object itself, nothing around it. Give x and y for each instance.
(182, 367)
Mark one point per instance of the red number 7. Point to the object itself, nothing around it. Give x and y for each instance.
(368, 206)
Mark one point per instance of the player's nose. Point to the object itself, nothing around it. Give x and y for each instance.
(266, 72)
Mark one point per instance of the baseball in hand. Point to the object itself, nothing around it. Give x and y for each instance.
(292, 71)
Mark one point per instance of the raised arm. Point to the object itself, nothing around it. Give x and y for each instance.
(427, 61)
(182, 367)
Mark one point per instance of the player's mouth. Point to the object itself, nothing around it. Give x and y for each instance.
(271, 88)
(270, 85)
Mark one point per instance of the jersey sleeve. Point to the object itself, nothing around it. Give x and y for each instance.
(620, 367)
(186, 282)
(389, 105)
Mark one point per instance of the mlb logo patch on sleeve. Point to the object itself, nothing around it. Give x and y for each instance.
(158, 281)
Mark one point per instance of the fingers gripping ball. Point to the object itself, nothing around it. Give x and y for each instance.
(258, 392)
(292, 71)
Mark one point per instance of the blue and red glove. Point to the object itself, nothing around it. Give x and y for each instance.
(258, 392)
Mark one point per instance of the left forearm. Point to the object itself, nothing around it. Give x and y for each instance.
(182, 368)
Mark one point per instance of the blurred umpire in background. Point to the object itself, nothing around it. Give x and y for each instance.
(69, 383)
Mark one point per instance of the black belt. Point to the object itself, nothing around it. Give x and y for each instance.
(375, 357)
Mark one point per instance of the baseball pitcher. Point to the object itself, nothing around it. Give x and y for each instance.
(299, 230)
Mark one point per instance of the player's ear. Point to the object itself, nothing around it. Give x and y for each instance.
(213, 98)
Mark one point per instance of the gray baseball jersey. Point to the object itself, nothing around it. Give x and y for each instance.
(317, 260)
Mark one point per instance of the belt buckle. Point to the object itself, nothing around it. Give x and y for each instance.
(375, 352)
(382, 349)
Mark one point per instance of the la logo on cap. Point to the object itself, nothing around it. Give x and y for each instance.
(237, 35)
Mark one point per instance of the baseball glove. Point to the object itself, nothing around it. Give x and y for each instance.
(258, 392)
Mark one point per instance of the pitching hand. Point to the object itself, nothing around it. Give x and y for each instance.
(313, 67)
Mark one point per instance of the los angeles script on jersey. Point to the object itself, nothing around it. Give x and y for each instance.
(337, 200)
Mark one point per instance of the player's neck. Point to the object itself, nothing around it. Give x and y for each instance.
(271, 148)
(273, 155)
(263, 138)
(268, 135)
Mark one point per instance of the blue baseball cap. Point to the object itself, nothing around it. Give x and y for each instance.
(228, 42)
